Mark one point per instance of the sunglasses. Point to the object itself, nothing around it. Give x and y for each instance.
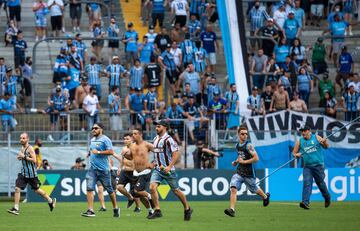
(95, 128)
(243, 134)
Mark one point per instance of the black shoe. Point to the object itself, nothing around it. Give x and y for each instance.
(304, 206)
(156, 214)
(14, 211)
(187, 214)
(102, 209)
(229, 212)
(266, 201)
(137, 210)
(151, 203)
(130, 203)
(52, 204)
(88, 213)
(327, 202)
(116, 212)
(149, 215)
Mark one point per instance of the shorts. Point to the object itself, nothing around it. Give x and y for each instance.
(131, 56)
(342, 76)
(104, 177)
(180, 19)
(237, 181)
(113, 44)
(113, 179)
(126, 177)
(56, 22)
(172, 76)
(157, 177)
(6, 124)
(75, 12)
(97, 43)
(141, 182)
(58, 77)
(54, 117)
(212, 58)
(115, 122)
(317, 10)
(15, 12)
(40, 22)
(337, 46)
(19, 61)
(82, 116)
(22, 182)
(72, 94)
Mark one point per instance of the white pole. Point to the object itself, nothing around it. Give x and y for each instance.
(9, 162)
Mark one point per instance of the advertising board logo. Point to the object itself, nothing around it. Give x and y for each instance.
(164, 190)
(48, 182)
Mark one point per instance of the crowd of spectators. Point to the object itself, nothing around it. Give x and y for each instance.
(283, 74)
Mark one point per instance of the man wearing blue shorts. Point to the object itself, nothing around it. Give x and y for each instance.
(166, 153)
(245, 172)
(100, 149)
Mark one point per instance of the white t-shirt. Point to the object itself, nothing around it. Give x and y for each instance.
(90, 103)
(176, 53)
(280, 17)
(55, 10)
(179, 6)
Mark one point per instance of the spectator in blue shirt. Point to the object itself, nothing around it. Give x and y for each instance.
(158, 11)
(98, 34)
(19, 49)
(254, 103)
(345, 66)
(291, 28)
(305, 85)
(60, 66)
(130, 40)
(187, 50)
(81, 47)
(281, 52)
(136, 108)
(349, 102)
(7, 106)
(336, 11)
(58, 107)
(257, 16)
(146, 50)
(194, 27)
(113, 31)
(40, 10)
(14, 7)
(194, 8)
(114, 72)
(299, 14)
(10, 82)
(93, 72)
(136, 79)
(217, 106)
(210, 44)
(167, 62)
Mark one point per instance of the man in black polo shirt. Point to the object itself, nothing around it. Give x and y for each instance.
(268, 31)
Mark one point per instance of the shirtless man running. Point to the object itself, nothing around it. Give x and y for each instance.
(126, 169)
(139, 153)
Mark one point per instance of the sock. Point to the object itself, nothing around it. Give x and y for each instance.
(149, 196)
(150, 210)
(50, 200)
(233, 209)
(265, 197)
(16, 206)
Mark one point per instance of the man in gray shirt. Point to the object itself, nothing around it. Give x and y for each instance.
(258, 67)
(192, 77)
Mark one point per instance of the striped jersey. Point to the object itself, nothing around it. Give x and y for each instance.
(28, 169)
(187, 48)
(80, 48)
(136, 76)
(93, 73)
(115, 71)
(164, 147)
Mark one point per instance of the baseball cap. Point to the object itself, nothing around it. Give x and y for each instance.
(151, 27)
(138, 89)
(84, 78)
(130, 24)
(320, 39)
(351, 85)
(291, 12)
(79, 159)
(255, 88)
(168, 45)
(216, 92)
(77, 35)
(63, 49)
(270, 20)
(58, 87)
(9, 69)
(162, 123)
(305, 127)
(115, 57)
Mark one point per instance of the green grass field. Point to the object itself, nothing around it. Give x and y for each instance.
(207, 216)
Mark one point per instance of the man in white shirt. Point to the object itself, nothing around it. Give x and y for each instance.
(280, 16)
(92, 107)
(56, 8)
(181, 9)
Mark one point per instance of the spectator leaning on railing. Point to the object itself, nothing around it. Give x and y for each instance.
(92, 107)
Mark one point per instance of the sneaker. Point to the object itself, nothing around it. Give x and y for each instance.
(88, 213)
(156, 214)
(102, 209)
(63, 30)
(327, 202)
(130, 203)
(266, 201)
(137, 210)
(14, 211)
(304, 206)
(52, 204)
(116, 212)
(50, 138)
(229, 212)
(187, 214)
(149, 215)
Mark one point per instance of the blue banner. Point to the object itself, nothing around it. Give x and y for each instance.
(343, 185)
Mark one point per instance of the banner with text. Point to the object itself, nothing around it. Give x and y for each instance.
(274, 146)
(197, 185)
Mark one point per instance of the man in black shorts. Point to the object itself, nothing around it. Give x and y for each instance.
(56, 8)
(75, 14)
(126, 169)
(14, 7)
(28, 175)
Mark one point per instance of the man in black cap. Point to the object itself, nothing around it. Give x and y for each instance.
(167, 154)
(310, 148)
(79, 164)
